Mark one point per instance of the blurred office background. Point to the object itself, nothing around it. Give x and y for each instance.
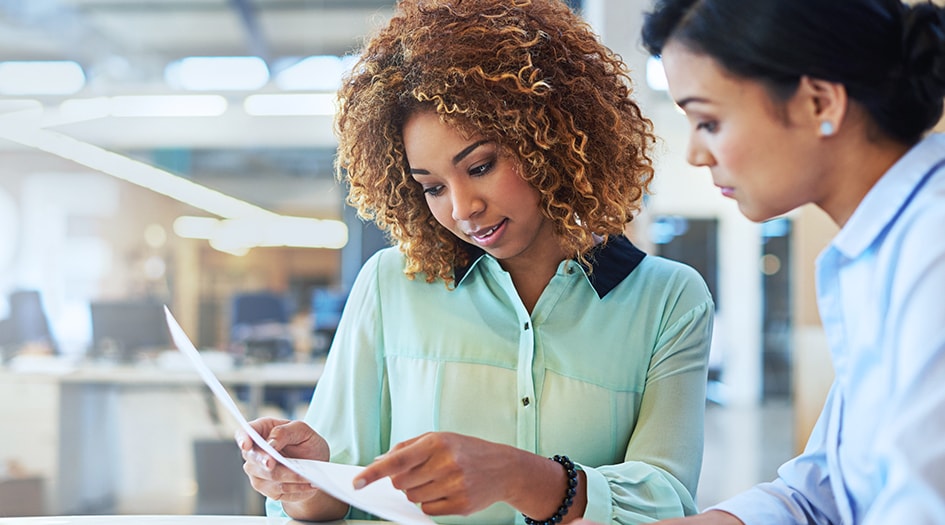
(136, 173)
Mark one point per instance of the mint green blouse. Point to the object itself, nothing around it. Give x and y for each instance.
(609, 369)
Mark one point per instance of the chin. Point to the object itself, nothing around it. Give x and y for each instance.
(755, 215)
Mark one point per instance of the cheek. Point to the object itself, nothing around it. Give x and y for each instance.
(516, 191)
(440, 208)
(735, 154)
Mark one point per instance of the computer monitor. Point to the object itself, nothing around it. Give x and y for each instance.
(124, 329)
(27, 323)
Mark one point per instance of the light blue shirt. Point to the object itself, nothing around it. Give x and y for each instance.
(877, 453)
(609, 369)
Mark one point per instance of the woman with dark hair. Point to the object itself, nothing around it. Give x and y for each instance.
(497, 144)
(829, 102)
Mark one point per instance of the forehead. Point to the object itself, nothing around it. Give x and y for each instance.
(696, 80)
(696, 76)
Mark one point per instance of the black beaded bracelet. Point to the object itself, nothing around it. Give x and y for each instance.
(568, 496)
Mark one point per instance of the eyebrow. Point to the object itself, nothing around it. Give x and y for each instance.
(682, 103)
(466, 151)
(456, 158)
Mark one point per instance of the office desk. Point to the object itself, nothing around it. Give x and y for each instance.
(169, 520)
(120, 439)
(256, 378)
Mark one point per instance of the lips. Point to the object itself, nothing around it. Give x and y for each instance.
(485, 236)
(727, 191)
(486, 232)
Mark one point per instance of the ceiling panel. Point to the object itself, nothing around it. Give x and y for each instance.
(124, 45)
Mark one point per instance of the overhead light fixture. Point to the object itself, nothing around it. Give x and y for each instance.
(217, 73)
(15, 105)
(128, 169)
(315, 73)
(50, 77)
(167, 106)
(237, 236)
(79, 109)
(284, 104)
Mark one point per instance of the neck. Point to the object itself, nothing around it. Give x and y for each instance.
(857, 167)
(532, 271)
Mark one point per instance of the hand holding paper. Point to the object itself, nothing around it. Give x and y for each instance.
(379, 498)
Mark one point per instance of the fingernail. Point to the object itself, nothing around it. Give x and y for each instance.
(359, 483)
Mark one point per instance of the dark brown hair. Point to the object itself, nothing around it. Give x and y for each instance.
(527, 74)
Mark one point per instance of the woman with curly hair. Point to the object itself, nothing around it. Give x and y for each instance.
(495, 141)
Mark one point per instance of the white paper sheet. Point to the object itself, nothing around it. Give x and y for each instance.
(379, 498)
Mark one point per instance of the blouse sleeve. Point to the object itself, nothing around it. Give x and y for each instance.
(801, 493)
(664, 457)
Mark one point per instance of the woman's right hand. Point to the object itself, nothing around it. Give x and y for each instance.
(294, 439)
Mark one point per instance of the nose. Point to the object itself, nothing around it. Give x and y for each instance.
(697, 154)
(466, 201)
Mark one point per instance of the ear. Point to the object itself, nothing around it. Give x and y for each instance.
(824, 104)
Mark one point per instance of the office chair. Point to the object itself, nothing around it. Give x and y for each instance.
(27, 322)
(259, 327)
(259, 333)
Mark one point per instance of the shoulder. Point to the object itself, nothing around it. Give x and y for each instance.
(921, 224)
(659, 272)
(386, 261)
(381, 268)
(385, 272)
(671, 290)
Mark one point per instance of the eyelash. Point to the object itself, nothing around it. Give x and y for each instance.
(481, 169)
(475, 171)
(709, 126)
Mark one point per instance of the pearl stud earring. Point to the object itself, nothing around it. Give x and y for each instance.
(826, 128)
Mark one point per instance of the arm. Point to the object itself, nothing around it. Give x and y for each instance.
(349, 407)
(801, 493)
(712, 517)
(911, 443)
(664, 456)
(909, 451)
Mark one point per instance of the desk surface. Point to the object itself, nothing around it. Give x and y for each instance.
(167, 520)
(275, 374)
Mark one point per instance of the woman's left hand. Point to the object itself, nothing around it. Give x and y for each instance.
(446, 473)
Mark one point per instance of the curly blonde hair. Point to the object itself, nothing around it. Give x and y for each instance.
(529, 75)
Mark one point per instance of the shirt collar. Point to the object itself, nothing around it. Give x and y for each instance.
(889, 196)
(610, 263)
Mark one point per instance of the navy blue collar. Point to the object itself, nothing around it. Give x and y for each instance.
(610, 263)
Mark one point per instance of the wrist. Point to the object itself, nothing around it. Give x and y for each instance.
(570, 493)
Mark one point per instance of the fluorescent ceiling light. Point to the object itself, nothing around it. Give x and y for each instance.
(217, 73)
(53, 77)
(655, 76)
(190, 227)
(315, 73)
(290, 104)
(128, 169)
(237, 236)
(79, 109)
(167, 106)
(14, 105)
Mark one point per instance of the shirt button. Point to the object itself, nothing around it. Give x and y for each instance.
(525, 401)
